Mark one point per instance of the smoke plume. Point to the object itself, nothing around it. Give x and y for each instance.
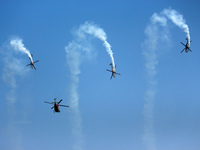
(73, 51)
(77, 51)
(178, 20)
(17, 44)
(156, 32)
(99, 33)
(13, 68)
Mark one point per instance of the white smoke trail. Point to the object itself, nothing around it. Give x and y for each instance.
(155, 31)
(17, 44)
(76, 51)
(73, 51)
(149, 52)
(99, 33)
(178, 20)
(12, 68)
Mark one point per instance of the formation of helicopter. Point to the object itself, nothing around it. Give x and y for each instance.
(114, 73)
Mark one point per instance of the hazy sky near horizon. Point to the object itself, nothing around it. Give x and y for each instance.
(137, 110)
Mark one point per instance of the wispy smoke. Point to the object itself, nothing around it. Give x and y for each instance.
(76, 52)
(155, 31)
(99, 33)
(73, 51)
(178, 20)
(149, 52)
(12, 69)
(17, 44)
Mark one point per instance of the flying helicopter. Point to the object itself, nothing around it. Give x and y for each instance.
(187, 46)
(32, 63)
(113, 71)
(56, 105)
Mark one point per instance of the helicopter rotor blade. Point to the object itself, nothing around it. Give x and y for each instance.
(182, 50)
(34, 67)
(60, 101)
(64, 105)
(182, 43)
(36, 61)
(48, 102)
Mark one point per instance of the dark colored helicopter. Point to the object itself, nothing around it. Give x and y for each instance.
(32, 63)
(113, 71)
(56, 105)
(187, 46)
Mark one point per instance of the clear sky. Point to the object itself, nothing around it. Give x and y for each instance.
(111, 114)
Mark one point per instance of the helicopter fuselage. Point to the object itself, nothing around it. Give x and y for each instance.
(113, 72)
(56, 108)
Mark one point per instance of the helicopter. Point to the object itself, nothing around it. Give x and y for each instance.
(113, 71)
(32, 63)
(56, 105)
(187, 46)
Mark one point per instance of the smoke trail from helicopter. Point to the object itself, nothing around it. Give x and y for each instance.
(13, 65)
(77, 51)
(17, 44)
(156, 32)
(73, 54)
(149, 52)
(99, 33)
(178, 20)
(12, 69)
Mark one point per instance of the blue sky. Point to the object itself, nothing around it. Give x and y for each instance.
(111, 111)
